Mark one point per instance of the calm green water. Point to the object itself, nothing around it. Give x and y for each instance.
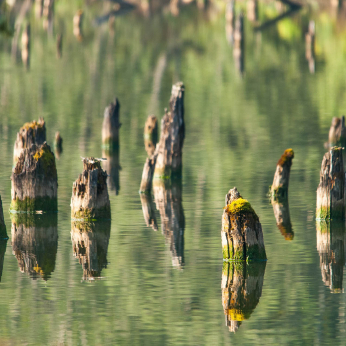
(236, 129)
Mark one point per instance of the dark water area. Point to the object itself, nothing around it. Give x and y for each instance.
(123, 282)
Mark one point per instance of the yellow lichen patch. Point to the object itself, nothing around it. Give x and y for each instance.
(33, 125)
(44, 154)
(287, 156)
(38, 269)
(237, 315)
(240, 205)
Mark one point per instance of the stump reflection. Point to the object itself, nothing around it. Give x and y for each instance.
(148, 211)
(90, 245)
(112, 167)
(282, 216)
(168, 200)
(35, 243)
(331, 248)
(241, 287)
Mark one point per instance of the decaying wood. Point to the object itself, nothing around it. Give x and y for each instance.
(3, 233)
(330, 192)
(112, 168)
(238, 49)
(241, 287)
(29, 133)
(26, 46)
(168, 200)
(35, 243)
(90, 198)
(77, 25)
(282, 174)
(90, 246)
(34, 180)
(148, 211)
(150, 135)
(111, 125)
(331, 248)
(337, 131)
(282, 216)
(310, 46)
(169, 149)
(241, 233)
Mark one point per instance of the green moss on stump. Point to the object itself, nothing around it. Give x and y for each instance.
(92, 214)
(286, 157)
(240, 206)
(47, 159)
(35, 220)
(34, 204)
(225, 252)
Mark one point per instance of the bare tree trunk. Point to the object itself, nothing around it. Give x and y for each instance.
(150, 135)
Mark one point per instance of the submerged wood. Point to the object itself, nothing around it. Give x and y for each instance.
(90, 198)
(150, 135)
(168, 200)
(238, 49)
(3, 233)
(337, 131)
(34, 180)
(29, 133)
(330, 192)
(26, 46)
(331, 249)
(230, 21)
(241, 287)
(90, 245)
(169, 149)
(241, 233)
(148, 211)
(112, 167)
(35, 243)
(282, 216)
(111, 125)
(282, 174)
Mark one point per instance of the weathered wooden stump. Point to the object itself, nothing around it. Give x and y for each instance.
(3, 233)
(330, 192)
(110, 126)
(35, 243)
(282, 174)
(34, 180)
(77, 25)
(230, 22)
(26, 46)
(59, 46)
(169, 149)
(90, 198)
(90, 246)
(112, 166)
(29, 133)
(241, 287)
(150, 135)
(238, 49)
(241, 233)
(331, 248)
(337, 132)
(310, 46)
(282, 216)
(252, 10)
(148, 211)
(168, 200)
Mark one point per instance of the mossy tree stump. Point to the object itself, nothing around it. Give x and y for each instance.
(90, 245)
(282, 174)
(35, 243)
(3, 233)
(29, 133)
(241, 287)
(90, 200)
(34, 180)
(241, 233)
(150, 135)
(331, 249)
(337, 131)
(110, 126)
(330, 192)
(282, 216)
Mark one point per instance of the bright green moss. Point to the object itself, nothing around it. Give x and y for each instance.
(35, 220)
(240, 206)
(34, 204)
(286, 157)
(238, 254)
(225, 252)
(92, 214)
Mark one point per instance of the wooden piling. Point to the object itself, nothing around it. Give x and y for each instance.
(29, 133)
(26, 46)
(330, 192)
(282, 216)
(110, 126)
(150, 135)
(337, 132)
(282, 174)
(90, 200)
(241, 287)
(34, 180)
(241, 233)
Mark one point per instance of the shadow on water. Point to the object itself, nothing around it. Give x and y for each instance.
(35, 243)
(282, 216)
(90, 245)
(241, 286)
(331, 248)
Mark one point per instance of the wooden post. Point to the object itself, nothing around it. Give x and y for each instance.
(238, 49)
(241, 287)
(30, 133)
(331, 248)
(90, 198)
(110, 126)
(337, 132)
(150, 135)
(170, 146)
(282, 174)
(241, 233)
(77, 25)
(26, 46)
(168, 200)
(230, 22)
(310, 46)
(3, 233)
(330, 192)
(148, 211)
(282, 216)
(90, 245)
(34, 180)
(252, 10)
(59, 46)
(35, 243)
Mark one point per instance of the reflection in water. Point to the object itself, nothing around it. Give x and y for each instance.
(90, 246)
(331, 246)
(35, 243)
(282, 216)
(148, 211)
(241, 287)
(3, 243)
(168, 199)
(112, 167)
